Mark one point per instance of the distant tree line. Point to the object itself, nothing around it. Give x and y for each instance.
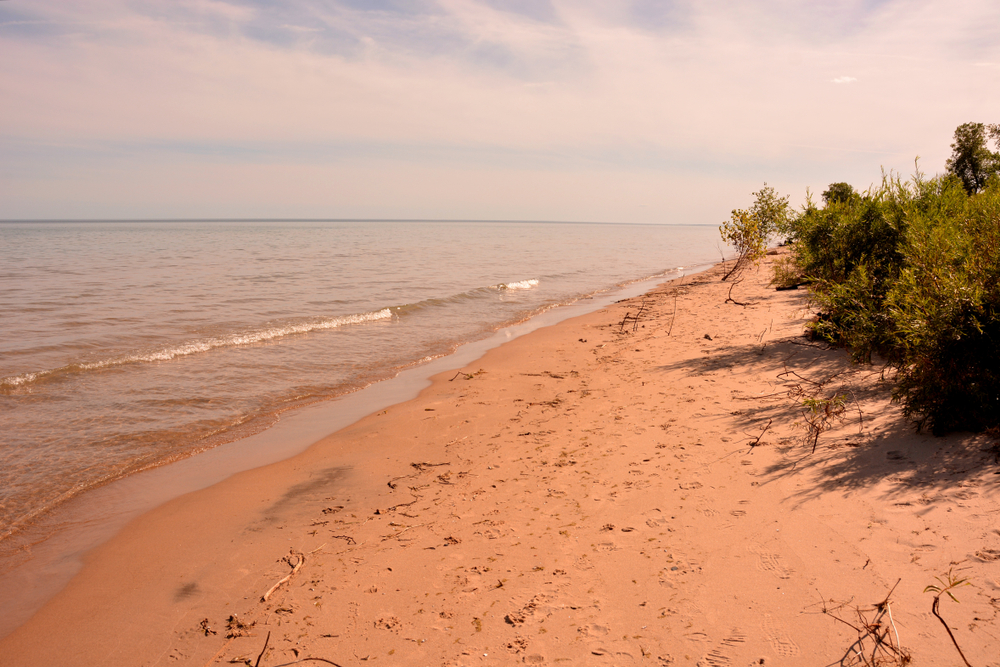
(907, 273)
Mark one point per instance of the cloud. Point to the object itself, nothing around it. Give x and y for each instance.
(126, 94)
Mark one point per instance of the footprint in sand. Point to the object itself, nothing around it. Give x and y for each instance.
(770, 562)
(738, 513)
(655, 518)
(594, 630)
(721, 655)
(780, 640)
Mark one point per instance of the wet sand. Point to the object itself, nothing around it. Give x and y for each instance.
(595, 492)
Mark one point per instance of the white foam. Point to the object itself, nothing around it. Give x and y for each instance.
(204, 345)
(521, 284)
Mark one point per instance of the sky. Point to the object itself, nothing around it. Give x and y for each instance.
(576, 110)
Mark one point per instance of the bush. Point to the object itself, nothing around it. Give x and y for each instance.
(946, 312)
(911, 272)
(749, 231)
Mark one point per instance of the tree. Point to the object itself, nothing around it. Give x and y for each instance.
(749, 231)
(838, 193)
(971, 160)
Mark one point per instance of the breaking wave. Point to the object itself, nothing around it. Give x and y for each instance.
(233, 339)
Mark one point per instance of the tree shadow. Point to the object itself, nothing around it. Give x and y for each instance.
(849, 456)
(911, 463)
(795, 368)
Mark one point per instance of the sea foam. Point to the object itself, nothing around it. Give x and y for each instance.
(234, 339)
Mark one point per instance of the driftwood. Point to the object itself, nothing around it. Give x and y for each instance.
(301, 560)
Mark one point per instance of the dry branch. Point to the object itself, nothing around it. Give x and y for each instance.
(295, 568)
(756, 440)
(295, 662)
(266, 640)
(730, 299)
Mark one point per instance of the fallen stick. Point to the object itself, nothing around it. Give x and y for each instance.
(302, 559)
(730, 299)
(674, 315)
(389, 537)
(266, 640)
(756, 440)
(295, 662)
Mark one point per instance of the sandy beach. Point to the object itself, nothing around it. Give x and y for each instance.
(633, 486)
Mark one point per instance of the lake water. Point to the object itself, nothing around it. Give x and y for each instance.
(125, 345)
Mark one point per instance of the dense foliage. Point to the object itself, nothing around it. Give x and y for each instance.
(910, 271)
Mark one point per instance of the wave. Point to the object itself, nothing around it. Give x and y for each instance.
(463, 297)
(522, 284)
(234, 339)
(251, 336)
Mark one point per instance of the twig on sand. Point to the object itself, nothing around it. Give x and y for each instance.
(634, 318)
(420, 467)
(295, 662)
(730, 297)
(397, 534)
(861, 418)
(756, 441)
(266, 640)
(295, 568)
(673, 316)
(874, 645)
(805, 379)
(818, 346)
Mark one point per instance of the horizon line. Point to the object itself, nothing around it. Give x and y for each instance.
(296, 219)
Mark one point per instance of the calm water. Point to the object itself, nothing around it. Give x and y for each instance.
(127, 344)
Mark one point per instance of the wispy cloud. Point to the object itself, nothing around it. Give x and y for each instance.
(510, 98)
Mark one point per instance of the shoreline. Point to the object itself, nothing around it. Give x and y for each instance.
(58, 540)
(589, 496)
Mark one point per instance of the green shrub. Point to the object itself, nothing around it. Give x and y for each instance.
(910, 272)
(945, 309)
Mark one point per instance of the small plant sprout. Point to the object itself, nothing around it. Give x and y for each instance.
(947, 584)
